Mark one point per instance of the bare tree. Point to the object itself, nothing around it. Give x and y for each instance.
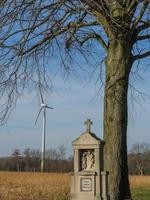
(138, 150)
(39, 29)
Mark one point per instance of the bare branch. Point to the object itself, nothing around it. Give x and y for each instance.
(99, 9)
(54, 33)
(97, 37)
(141, 13)
(145, 25)
(143, 37)
(141, 56)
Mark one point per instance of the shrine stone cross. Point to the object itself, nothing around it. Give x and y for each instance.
(88, 124)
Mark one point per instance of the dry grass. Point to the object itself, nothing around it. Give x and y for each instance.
(139, 181)
(33, 186)
(45, 186)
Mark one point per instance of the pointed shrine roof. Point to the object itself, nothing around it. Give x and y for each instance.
(87, 138)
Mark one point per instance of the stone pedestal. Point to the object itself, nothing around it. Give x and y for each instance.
(86, 181)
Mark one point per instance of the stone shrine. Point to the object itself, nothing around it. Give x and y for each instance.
(88, 181)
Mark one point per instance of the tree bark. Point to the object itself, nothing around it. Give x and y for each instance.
(118, 65)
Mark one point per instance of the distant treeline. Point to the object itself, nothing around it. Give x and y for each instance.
(56, 160)
(30, 160)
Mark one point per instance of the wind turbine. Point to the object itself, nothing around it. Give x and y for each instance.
(43, 108)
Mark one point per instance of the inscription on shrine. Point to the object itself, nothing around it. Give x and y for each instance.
(86, 184)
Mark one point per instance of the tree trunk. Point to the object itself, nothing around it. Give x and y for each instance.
(118, 65)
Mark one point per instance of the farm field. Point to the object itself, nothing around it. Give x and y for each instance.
(140, 187)
(54, 186)
(33, 186)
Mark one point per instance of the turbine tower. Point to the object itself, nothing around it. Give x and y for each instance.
(43, 108)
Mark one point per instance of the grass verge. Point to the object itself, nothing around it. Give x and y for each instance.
(141, 193)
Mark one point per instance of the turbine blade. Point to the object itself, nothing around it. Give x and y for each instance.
(49, 107)
(38, 115)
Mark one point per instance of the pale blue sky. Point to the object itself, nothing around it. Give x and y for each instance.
(74, 103)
